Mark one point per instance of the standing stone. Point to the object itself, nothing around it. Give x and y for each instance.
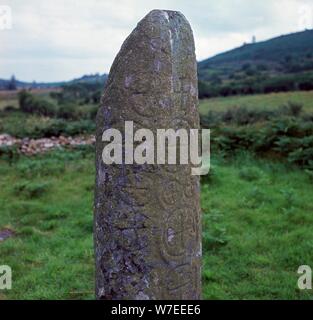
(147, 217)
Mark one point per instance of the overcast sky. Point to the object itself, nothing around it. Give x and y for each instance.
(61, 40)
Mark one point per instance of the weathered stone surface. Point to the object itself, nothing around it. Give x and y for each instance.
(147, 217)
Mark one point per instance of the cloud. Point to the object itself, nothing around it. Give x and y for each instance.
(60, 40)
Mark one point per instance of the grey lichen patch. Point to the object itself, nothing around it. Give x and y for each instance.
(170, 234)
(142, 296)
(147, 217)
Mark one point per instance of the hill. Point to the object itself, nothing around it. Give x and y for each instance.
(284, 63)
(93, 78)
(90, 79)
(280, 64)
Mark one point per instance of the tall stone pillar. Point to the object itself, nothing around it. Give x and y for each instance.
(147, 216)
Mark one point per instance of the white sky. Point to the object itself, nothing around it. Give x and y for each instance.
(61, 40)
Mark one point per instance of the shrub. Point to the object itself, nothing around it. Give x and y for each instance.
(9, 108)
(244, 116)
(93, 112)
(250, 173)
(255, 199)
(210, 178)
(31, 104)
(30, 189)
(96, 96)
(40, 167)
(290, 138)
(57, 127)
(69, 111)
(9, 153)
(214, 231)
(291, 109)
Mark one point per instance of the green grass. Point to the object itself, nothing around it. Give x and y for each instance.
(257, 218)
(21, 124)
(47, 201)
(270, 101)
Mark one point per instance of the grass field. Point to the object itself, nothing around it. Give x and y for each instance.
(263, 101)
(10, 98)
(47, 201)
(257, 231)
(257, 213)
(259, 101)
(257, 221)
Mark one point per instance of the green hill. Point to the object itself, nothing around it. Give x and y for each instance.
(86, 79)
(284, 63)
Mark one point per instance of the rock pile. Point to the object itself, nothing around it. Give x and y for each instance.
(29, 146)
